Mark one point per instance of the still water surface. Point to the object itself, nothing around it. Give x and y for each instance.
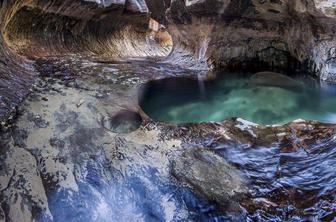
(260, 98)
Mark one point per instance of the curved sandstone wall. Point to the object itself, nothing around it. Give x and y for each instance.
(110, 28)
(255, 34)
(15, 72)
(291, 35)
(39, 28)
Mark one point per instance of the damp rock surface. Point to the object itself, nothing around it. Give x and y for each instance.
(76, 168)
(233, 35)
(211, 176)
(123, 122)
(70, 69)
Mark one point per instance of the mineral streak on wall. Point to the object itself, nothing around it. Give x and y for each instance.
(255, 34)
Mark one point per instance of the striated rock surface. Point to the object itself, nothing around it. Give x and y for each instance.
(65, 159)
(31, 29)
(80, 149)
(250, 34)
(288, 35)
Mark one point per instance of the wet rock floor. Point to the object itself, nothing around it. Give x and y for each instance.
(82, 150)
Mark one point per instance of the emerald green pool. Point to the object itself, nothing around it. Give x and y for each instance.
(261, 98)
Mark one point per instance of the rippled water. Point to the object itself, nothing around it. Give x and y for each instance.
(285, 182)
(290, 185)
(261, 99)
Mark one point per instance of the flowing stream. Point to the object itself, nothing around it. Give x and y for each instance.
(291, 185)
(285, 181)
(90, 172)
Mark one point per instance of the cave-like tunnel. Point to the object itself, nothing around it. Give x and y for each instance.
(167, 110)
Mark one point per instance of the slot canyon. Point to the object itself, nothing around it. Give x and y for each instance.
(167, 110)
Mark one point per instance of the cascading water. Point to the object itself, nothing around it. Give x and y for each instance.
(201, 57)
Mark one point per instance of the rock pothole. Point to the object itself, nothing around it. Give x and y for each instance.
(123, 122)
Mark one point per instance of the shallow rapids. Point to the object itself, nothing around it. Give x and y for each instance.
(287, 184)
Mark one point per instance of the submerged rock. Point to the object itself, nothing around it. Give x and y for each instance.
(211, 176)
(91, 174)
(274, 79)
(62, 165)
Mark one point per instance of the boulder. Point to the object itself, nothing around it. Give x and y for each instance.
(211, 176)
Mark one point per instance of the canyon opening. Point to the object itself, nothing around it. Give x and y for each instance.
(167, 110)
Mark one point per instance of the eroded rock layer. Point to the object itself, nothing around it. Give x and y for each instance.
(68, 158)
(253, 34)
(288, 35)
(81, 150)
(31, 29)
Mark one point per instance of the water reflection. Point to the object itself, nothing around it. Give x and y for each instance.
(263, 99)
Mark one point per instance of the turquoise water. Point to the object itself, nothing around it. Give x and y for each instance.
(263, 99)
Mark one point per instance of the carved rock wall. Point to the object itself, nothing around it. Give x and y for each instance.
(296, 35)
(35, 28)
(255, 34)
